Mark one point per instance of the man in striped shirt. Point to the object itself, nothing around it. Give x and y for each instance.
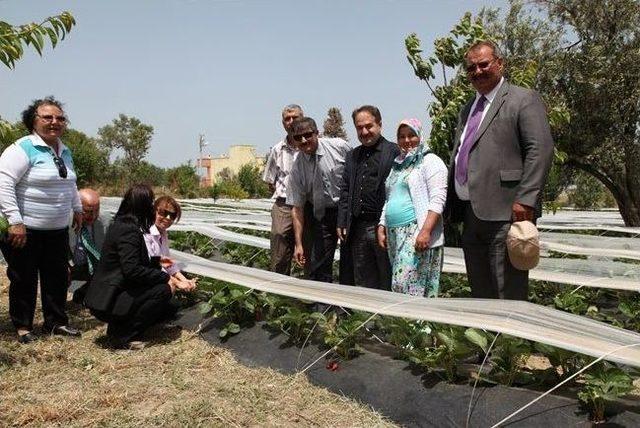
(276, 174)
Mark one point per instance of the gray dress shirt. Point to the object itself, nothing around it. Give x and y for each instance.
(316, 178)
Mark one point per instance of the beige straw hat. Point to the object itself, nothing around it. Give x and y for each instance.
(523, 245)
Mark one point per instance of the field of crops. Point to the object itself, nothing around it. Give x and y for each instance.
(580, 330)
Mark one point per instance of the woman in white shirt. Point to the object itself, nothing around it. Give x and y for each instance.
(411, 221)
(167, 211)
(37, 194)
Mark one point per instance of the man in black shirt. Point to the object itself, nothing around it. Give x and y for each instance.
(362, 195)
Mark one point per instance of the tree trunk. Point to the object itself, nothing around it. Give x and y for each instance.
(629, 207)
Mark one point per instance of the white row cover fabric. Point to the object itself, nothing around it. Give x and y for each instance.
(454, 262)
(515, 318)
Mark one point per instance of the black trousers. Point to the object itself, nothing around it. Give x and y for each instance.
(320, 242)
(491, 274)
(371, 266)
(149, 307)
(45, 254)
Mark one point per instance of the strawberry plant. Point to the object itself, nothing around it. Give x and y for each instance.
(571, 301)
(297, 323)
(629, 306)
(237, 305)
(568, 362)
(406, 334)
(450, 346)
(508, 358)
(343, 334)
(245, 255)
(603, 384)
(192, 242)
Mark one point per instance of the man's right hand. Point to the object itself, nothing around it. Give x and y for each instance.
(298, 255)
(17, 235)
(381, 233)
(342, 233)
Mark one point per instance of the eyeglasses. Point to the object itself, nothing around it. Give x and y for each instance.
(307, 136)
(480, 66)
(62, 168)
(48, 118)
(171, 215)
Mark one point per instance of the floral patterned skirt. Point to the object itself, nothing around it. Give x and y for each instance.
(413, 272)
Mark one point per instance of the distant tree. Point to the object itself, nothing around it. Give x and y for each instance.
(596, 76)
(183, 180)
(90, 160)
(334, 125)
(11, 133)
(131, 136)
(150, 174)
(250, 179)
(225, 174)
(589, 193)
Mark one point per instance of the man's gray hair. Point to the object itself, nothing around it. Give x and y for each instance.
(497, 52)
(292, 107)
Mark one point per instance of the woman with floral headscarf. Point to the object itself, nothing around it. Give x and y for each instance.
(411, 221)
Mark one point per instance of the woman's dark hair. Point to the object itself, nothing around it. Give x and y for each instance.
(168, 200)
(29, 115)
(137, 206)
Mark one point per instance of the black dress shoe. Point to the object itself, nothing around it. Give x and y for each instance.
(27, 338)
(64, 330)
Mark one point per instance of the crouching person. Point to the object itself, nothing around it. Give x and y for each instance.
(86, 243)
(129, 290)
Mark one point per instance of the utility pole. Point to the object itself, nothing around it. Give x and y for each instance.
(201, 144)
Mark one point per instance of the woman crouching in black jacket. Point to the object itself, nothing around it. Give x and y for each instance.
(128, 290)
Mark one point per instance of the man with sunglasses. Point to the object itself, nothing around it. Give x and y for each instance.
(86, 243)
(37, 194)
(501, 157)
(314, 193)
(276, 175)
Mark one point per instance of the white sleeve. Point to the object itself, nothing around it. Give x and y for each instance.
(269, 174)
(294, 186)
(14, 163)
(435, 174)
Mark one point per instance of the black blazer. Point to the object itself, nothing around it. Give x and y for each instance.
(389, 152)
(124, 271)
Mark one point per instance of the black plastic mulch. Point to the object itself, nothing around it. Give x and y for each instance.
(401, 393)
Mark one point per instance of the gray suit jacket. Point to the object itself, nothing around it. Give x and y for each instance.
(510, 158)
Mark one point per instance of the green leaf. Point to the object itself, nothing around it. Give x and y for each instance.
(205, 307)
(478, 338)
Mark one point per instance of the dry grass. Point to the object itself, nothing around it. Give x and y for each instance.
(180, 380)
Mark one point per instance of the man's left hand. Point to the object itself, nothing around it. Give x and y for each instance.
(77, 221)
(521, 212)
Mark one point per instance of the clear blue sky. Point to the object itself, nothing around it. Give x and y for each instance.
(226, 68)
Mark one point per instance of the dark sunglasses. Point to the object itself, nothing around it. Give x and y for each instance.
(171, 215)
(49, 118)
(480, 66)
(307, 136)
(62, 168)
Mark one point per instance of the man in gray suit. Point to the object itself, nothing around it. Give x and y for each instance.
(500, 161)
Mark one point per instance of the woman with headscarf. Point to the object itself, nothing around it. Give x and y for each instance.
(411, 221)
(37, 195)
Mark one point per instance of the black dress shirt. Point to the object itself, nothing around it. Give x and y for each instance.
(366, 198)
